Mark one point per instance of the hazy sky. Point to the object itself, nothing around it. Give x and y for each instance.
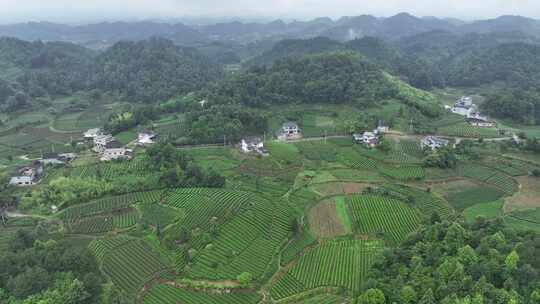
(93, 10)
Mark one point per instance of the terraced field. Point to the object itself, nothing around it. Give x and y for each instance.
(263, 225)
(154, 213)
(424, 201)
(110, 170)
(130, 263)
(331, 264)
(325, 299)
(352, 158)
(108, 204)
(374, 215)
(166, 294)
(490, 176)
(297, 245)
(403, 173)
(106, 214)
(466, 130)
(513, 167)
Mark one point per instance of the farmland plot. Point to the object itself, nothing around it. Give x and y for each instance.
(390, 217)
(166, 294)
(130, 263)
(331, 264)
(424, 201)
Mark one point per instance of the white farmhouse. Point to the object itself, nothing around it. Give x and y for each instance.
(477, 120)
(464, 106)
(21, 181)
(369, 139)
(290, 130)
(253, 145)
(433, 142)
(27, 176)
(114, 154)
(146, 138)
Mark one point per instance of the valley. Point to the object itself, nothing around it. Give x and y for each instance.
(153, 168)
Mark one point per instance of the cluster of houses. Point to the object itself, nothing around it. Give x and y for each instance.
(31, 175)
(465, 107)
(289, 131)
(107, 147)
(110, 149)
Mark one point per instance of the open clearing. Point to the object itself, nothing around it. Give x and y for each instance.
(462, 194)
(528, 196)
(487, 210)
(324, 221)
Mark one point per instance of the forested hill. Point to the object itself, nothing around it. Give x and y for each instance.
(373, 48)
(145, 71)
(338, 77)
(517, 64)
(34, 69)
(432, 59)
(153, 70)
(296, 48)
(199, 32)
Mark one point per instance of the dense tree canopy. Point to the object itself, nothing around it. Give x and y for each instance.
(38, 268)
(327, 78)
(519, 105)
(145, 71)
(451, 263)
(153, 70)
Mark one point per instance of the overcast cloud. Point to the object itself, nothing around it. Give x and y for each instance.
(94, 10)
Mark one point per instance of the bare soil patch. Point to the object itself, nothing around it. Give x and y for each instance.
(352, 188)
(339, 188)
(324, 221)
(528, 196)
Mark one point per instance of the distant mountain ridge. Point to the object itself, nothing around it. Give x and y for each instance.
(102, 35)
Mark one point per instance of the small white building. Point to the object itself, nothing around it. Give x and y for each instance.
(27, 176)
(92, 133)
(477, 120)
(382, 129)
(114, 154)
(289, 130)
(464, 102)
(369, 139)
(253, 145)
(21, 181)
(464, 106)
(434, 142)
(146, 138)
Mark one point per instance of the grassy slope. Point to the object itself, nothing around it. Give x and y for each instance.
(343, 214)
